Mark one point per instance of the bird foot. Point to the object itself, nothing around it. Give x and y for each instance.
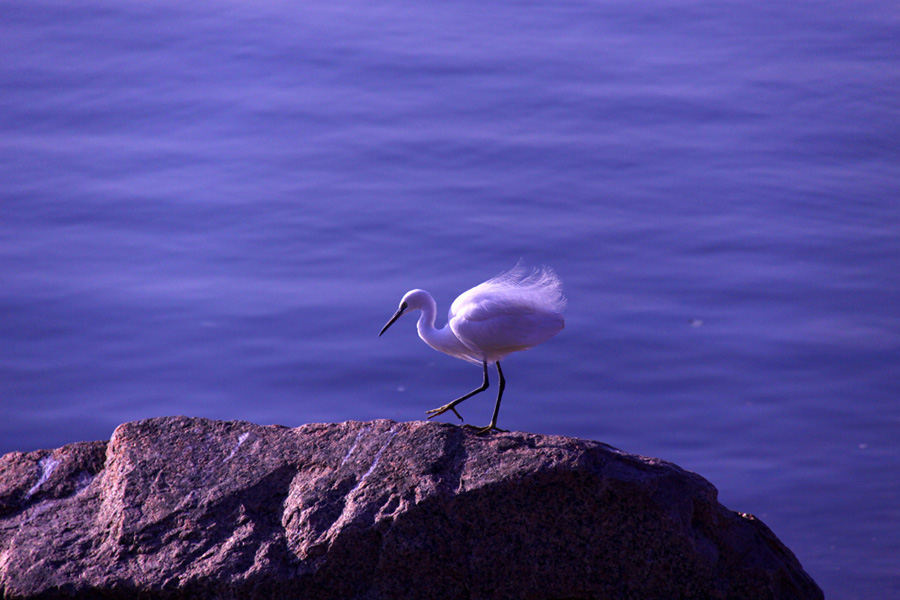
(486, 429)
(439, 411)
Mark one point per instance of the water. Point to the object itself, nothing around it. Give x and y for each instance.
(211, 210)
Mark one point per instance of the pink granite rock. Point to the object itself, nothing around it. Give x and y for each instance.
(190, 508)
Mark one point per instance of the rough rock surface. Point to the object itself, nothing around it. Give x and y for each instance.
(192, 508)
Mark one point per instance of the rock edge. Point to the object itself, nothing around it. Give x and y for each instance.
(181, 507)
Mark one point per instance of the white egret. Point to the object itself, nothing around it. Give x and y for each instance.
(508, 313)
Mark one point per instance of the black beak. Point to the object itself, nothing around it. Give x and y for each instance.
(396, 316)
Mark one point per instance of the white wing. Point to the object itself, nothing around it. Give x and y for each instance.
(508, 313)
(499, 334)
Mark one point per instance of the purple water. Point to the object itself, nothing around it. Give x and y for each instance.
(212, 210)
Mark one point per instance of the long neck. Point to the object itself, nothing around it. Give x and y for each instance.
(425, 326)
(443, 340)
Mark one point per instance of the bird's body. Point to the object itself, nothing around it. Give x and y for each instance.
(505, 314)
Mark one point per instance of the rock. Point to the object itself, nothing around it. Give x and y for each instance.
(185, 508)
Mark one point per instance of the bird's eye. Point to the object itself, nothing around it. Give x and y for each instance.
(403, 306)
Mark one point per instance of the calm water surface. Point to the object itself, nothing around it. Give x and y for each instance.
(212, 210)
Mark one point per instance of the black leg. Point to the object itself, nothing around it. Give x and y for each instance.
(493, 424)
(452, 405)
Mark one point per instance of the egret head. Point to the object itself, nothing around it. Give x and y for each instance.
(412, 300)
